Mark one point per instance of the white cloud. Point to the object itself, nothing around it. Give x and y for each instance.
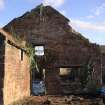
(100, 9)
(1, 4)
(97, 27)
(90, 17)
(97, 11)
(54, 3)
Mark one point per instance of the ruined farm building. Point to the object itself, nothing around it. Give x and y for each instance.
(61, 53)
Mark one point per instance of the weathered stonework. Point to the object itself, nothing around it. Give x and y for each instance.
(52, 30)
(17, 75)
(49, 28)
(102, 48)
(14, 70)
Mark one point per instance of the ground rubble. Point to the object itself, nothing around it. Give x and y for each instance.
(59, 100)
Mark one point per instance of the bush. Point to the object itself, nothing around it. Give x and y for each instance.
(91, 86)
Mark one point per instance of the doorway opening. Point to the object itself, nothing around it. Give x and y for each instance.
(38, 83)
(38, 80)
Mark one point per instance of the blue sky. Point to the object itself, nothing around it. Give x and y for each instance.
(86, 16)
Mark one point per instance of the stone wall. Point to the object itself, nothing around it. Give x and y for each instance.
(103, 66)
(2, 53)
(52, 30)
(17, 75)
(53, 86)
(102, 48)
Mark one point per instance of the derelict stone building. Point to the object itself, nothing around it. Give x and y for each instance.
(61, 52)
(63, 47)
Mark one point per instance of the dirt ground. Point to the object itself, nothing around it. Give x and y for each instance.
(59, 100)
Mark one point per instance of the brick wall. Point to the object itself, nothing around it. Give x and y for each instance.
(17, 75)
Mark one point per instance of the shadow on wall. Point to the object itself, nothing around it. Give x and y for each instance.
(2, 53)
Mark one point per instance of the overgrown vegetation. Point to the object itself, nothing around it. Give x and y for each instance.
(86, 72)
(86, 78)
(30, 51)
(32, 57)
(91, 86)
(15, 36)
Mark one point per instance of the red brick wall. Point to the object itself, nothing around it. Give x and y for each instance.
(17, 75)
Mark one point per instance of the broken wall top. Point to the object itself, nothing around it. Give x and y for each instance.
(45, 25)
